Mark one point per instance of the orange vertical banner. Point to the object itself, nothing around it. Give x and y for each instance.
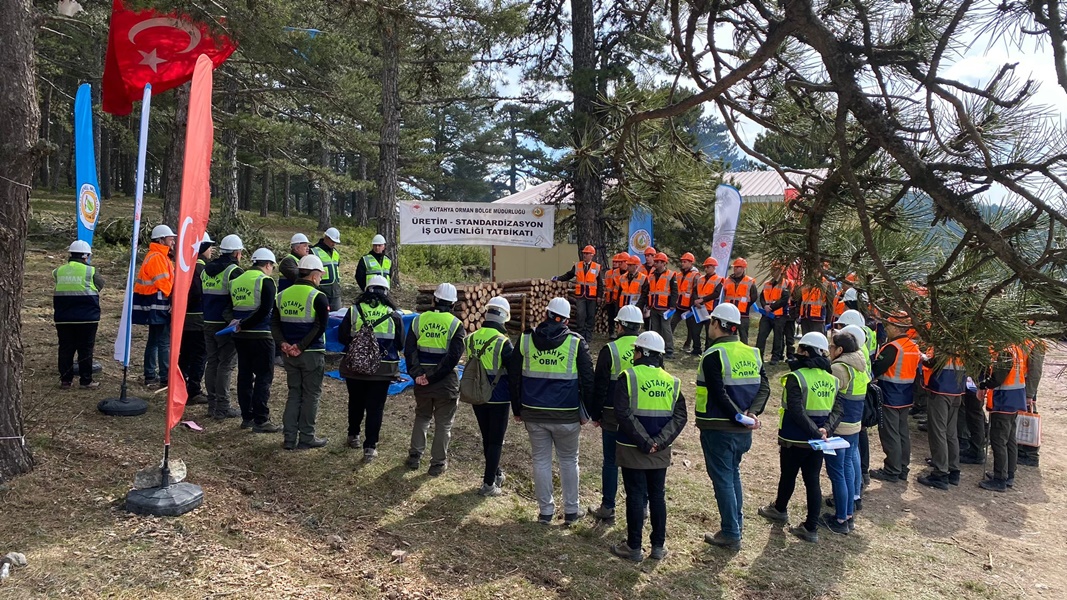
(192, 222)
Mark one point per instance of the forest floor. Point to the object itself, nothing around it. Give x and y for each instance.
(320, 524)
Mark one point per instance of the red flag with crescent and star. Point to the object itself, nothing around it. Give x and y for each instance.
(148, 47)
(192, 222)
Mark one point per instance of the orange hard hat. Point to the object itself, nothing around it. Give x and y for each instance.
(740, 262)
(589, 250)
(620, 257)
(650, 250)
(660, 257)
(710, 262)
(899, 318)
(633, 260)
(851, 278)
(689, 256)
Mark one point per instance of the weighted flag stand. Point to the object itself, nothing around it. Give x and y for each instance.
(167, 499)
(123, 406)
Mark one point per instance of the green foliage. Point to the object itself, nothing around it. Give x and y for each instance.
(446, 263)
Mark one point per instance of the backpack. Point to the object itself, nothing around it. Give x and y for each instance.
(474, 386)
(872, 405)
(363, 355)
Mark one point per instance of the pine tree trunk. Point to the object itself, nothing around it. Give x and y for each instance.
(389, 141)
(588, 187)
(44, 172)
(105, 161)
(57, 164)
(18, 136)
(265, 198)
(245, 188)
(172, 182)
(324, 194)
(359, 211)
(287, 197)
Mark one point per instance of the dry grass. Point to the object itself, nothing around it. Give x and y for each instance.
(268, 525)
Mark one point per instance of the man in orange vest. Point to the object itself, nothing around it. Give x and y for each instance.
(631, 283)
(588, 288)
(151, 305)
(1005, 390)
(772, 301)
(686, 279)
(661, 300)
(846, 294)
(650, 261)
(740, 290)
(813, 307)
(707, 292)
(896, 367)
(611, 287)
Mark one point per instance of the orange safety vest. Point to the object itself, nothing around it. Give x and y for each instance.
(585, 279)
(157, 272)
(839, 304)
(611, 285)
(1013, 389)
(686, 285)
(706, 287)
(659, 290)
(737, 293)
(773, 293)
(812, 303)
(630, 290)
(897, 381)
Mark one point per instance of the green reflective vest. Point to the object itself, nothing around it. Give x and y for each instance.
(217, 301)
(296, 310)
(247, 294)
(491, 358)
(383, 268)
(329, 262)
(741, 366)
(384, 332)
(855, 396)
(434, 331)
(75, 299)
(653, 393)
(819, 390)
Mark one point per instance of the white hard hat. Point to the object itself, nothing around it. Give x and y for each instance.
(333, 234)
(814, 339)
(630, 314)
(560, 307)
(80, 247)
(162, 231)
(309, 262)
(378, 281)
(377, 239)
(231, 243)
(727, 313)
(499, 302)
(445, 292)
(651, 341)
(858, 333)
(299, 238)
(207, 239)
(852, 317)
(263, 254)
(498, 309)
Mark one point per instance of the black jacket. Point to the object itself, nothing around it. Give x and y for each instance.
(549, 335)
(794, 399)
(361, 269)
(713, 381)
(631, 426)
(322, 320)
(445, 368)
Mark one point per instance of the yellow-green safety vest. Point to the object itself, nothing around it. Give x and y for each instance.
(653, 394)
(741, 367)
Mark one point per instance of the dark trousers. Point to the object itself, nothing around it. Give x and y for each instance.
(80, 338)
(493, 423)
(192, 359)
(645, 487)
(692, 329)
(612, 310)
(808, 326)
(808, 463)
(790, 338)
(1002, 443)
(865, 452)
(586, 317)
(366, 398)
(157, 353)
(943, 433)
(742, 330)
(895, 436)
(255, 373)
(766, 327)
(973, 441)
(609, 471)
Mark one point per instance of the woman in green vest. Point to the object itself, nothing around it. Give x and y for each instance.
(491, 345)
(367, 393)
(809, 410)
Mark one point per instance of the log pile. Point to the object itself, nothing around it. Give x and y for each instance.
(528, 298)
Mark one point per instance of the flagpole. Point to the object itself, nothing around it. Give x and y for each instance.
(125, 405)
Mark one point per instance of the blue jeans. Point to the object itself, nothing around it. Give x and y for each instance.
(157, 352)
(609, 473)
(835, 470)
(853, 473)
(722, 458)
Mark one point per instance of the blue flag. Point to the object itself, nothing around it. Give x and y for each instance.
(640, 230)
(85, 165)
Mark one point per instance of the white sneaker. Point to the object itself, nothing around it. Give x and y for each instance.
(490, 491)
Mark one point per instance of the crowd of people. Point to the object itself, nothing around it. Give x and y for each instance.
(850, 370)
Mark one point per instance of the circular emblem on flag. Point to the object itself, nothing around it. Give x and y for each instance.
(538, 212)
(416, 208)
(640, 240)
(88, 206)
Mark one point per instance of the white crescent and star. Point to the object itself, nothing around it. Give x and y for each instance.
(151, 59)
(182, 250)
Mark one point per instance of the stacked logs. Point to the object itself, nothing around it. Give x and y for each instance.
(470, 301)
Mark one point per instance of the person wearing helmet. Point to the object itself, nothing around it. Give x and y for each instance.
(588, 289)
(288, 268)
(611, 287)
(661, 298)
(253, 295)
(843, 468)
(896, 368)
(686, 280)
(151, 305)
(631, 283)
(192, 358)
(814, 310)
(1004, 386)
(772, 302)
(551, 377)
(708, 288)
(298, 326)
(76, 313)
(730, 383)
(326, 250)
(650, 261)
(811, 409)
(614, 358)
(367, 393)
(945, 380)
(650, 410)
(374, 263)
(432, 349)
(740, 290)
(855, 317)
(216, 279)
(490, 345)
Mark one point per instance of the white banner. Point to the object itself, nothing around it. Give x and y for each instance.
(727, 212)
(477, 224)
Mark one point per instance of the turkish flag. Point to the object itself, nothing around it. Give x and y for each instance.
(192, 222)
(147, 47)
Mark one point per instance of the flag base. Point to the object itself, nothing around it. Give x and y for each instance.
(97, 367)
(123, 407)
(171, 501)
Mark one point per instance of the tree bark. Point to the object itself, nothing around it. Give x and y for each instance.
(18, 158)
(389, 141)
(104, 166)
(265, 198)
(287, 198)
(324, 193)
(244, 190)
(172, 182)
(588, 187)
(44, 172)
(359, 210)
